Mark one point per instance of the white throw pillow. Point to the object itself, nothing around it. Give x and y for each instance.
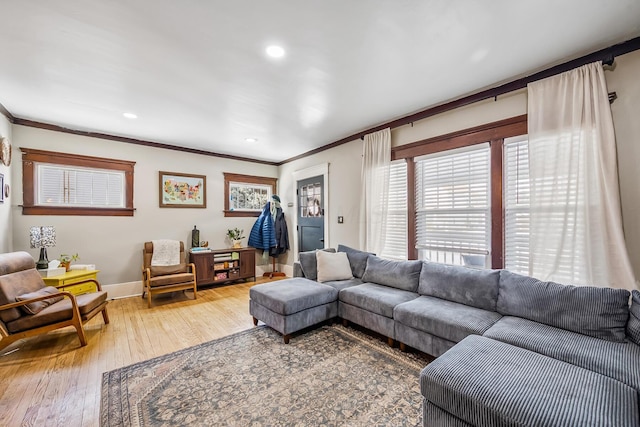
(333, 266)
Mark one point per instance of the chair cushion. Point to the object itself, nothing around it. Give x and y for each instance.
(15, 284)
(474, 287)
(375, 298)
(58, 312)
(487, 382)
(309, 264)
(357, 259)
(618, 360)
(333, 266)
(168, 269)
(37, 306)
(633, 326)
(598, 312)
(403, 275)
(12, 262)
(171, 279)
(445, 319)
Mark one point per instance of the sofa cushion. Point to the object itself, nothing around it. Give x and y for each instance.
(474, 287)
(309, 264)
(375, 298)
(403, 275)
(618, 360)
(490, 383)
(58, 312)
(333, 266)
(292, 295)
(633, 326)
(445, 319)
(357, 259)
(598, 312)
(15, 284)
(343, 284)
(37, 306)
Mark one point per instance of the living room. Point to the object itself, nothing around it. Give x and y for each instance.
(114, 244)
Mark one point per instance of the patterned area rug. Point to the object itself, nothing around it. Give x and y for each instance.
(329, 376)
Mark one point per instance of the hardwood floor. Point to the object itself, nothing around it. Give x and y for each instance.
(50, 380)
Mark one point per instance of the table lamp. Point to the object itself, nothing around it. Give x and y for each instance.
(42, 237)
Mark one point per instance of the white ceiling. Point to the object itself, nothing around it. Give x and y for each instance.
(195, 72)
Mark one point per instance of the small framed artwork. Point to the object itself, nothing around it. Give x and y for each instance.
(2, 190)
(182, 190)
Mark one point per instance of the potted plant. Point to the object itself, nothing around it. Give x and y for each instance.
(66, 260)
(236, 235)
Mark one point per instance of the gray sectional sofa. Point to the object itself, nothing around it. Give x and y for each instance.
(511, 350)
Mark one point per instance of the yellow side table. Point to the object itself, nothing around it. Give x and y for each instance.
(68, 281)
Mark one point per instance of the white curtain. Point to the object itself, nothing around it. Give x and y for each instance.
(576, 223)
(376, 159)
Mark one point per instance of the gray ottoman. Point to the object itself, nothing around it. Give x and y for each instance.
(292, 304)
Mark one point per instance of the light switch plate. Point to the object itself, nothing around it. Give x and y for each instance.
(340, 219)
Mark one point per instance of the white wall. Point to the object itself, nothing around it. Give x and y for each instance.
(114, 244)
(346, 159)
(6, 230)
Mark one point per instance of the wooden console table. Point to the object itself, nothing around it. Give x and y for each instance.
(224, 265)
(68, 281)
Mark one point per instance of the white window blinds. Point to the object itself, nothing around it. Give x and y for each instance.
(58, 185)
(395, 246)
(453, 206)
(516, 197)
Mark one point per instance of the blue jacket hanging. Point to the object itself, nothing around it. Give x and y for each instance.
(263, 234)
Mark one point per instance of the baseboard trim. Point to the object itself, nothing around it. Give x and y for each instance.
(123, 290)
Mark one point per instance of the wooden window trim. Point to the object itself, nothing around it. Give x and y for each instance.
(32, 156)
(248, 179)
(494, 133)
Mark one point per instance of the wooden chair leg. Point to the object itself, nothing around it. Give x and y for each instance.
(195, 291)
(81, 335)
(149, 298)
(286, 338)
(105, 316)
(255, 322)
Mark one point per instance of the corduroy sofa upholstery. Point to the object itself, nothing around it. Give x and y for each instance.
(511, 350)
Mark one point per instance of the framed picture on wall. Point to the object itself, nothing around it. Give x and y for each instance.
(182, 190)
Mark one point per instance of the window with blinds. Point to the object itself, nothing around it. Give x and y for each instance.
(453, 208)
(58, 185)
(395, 246)
(516, 192)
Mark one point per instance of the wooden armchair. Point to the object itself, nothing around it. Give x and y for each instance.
(157, 280)
(28, 307)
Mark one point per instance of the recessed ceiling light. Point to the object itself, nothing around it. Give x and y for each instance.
(251, 139)
(275, 51)
(130, 115)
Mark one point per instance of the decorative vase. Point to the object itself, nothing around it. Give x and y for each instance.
(237, 244)
(66, 265)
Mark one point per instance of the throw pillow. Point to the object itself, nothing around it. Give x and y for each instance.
(308, 263)
(37, 306)
(333, 266)
(633, 326)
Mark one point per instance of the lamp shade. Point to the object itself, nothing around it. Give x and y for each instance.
(42, 236)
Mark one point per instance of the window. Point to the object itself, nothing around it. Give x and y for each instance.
(516, 204)
(246, 195)
(395, 245)
(68, 184)
(453, 206)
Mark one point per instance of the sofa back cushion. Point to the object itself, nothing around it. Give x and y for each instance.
(473, 287)
(633, 326)
(357, 259)
(403, 275)
(597, 312)
(309, 264)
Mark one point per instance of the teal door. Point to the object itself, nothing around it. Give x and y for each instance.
(310, 193)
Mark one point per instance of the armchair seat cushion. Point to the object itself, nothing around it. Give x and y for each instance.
(37, 306)
(168, 269)
(58, 312)
(171, 279)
